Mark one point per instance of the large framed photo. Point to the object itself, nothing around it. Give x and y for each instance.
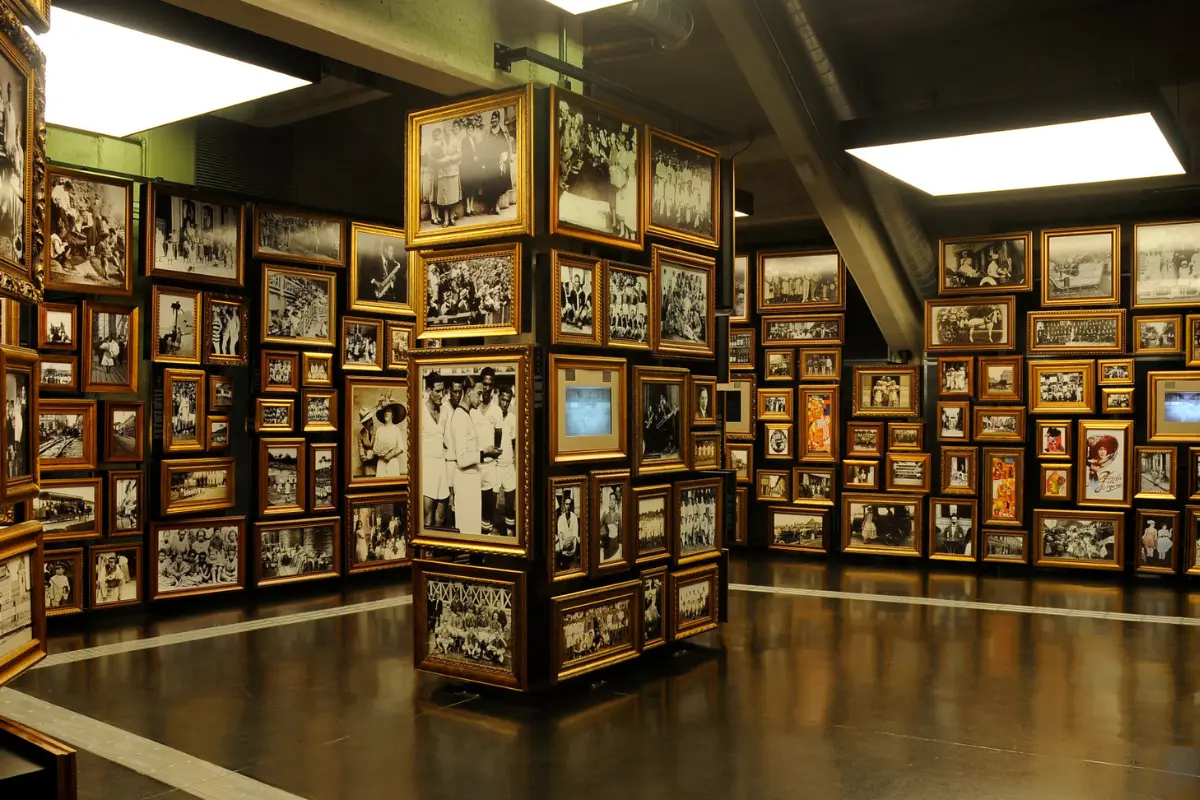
(491, 511)
(803, 329)
(66, 434)
(803, 530)
(22, 227)
(686, 302)
(886, 390)
(596, 167)
(1075, 333)
(362, 344)
(203, 556)
(192, 485)
(225, 331)
(1089, 539)
(1000, 423)
(684, 190)
(183, 418)
(694, 599)
(1062, 387)
(19, 399)
(699, 520)
(176, 325)
(954, 421)
(970, 324)
(1106, 463)
(297, 550)
(882, 524)
(301, 236)
(629, 292)
(1081, 266)
(595, 628)
(89, 224)
(819, 406)
(953, 529)
(1158, 335)
(126, 502)
(474, 291)
(69, 508)
(274, 414)
(1003, 486)
(801, 281)
(377, 534)
(985, 264)
(569, 551)
(116, 575)
(577, 312)
(455, 604)
(1158, 542)
(196, 238)
(470, 167)
(660, 419)
(377, 430)
(1166, 269)
(612, 526)
(380, 280)
(587, 409)
(110, 348)
(63, 570)
(1174, 401)
(298, 306)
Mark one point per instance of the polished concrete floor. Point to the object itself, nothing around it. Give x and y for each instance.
(1075, 695)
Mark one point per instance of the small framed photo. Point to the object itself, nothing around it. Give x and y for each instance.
(986, 323)
(885, 390)
(1114, 371)
(594, 628)
(318, 410)
(1116, 400)
(226, 331)
(299, 307)
(301, 236)
(1156, 470)
(1174, 407)
(69, 508)
(280, 372)
(906, 435)
(473, 291)
(275, 414)
(694, 597)
(58, 373)
(706, 450)
(575, 311)
(776, 405)
(316, 369)
(1003, 490)
(611, 541)
(779, 436)
(801, 281)
(1081, 266)
(985, 264)
(1191, 555)
(379, 280)
(89, 239)
(1062, 387)
(1106, 463)
(781, 363)
(587, 409)
(819, 431)
(960, 470)
(805, 530)
(1193, 473)
(218, 432)
(954, 421)
(859, 474)
(220, 392)
(698, 507)
(323, 477)
(1192, 343)
(203, 556)
(63, 571)
(773, 485)
(629, 291)
(377, 535)
(704, 401)
(1005, 546)
(1075, 333)
(803, 330)
(362, 344)
(882, 524)
(126, 502)
(676, 163)
(1075, 538)
(864, 439)
(1056, 481)
(1000, 379)
(183, 423)
(1000, 424)
(956, 376)
(192, 485)
(660, 431)
(66, 435)
(741, 502)
(1053, 438)
(908, 472)
(178, 315)
(652, 510)
(569, 530)
(297, 550)
(1157, 335)
(58, 326)
(110, 352)
(741, 349)
(399, 338)
(193, 236)
(953, 529)
(1165, 263)
(741, 288)
(281, 476)
(1158, 541)
(18, 444)
(654, 608)
(820, 364)
(739, 457)
(813, 486)
(116, 575)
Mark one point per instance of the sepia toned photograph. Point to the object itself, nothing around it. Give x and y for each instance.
(886, 391)
(686, 302)
(1005, 546)
(628, 305)
(882, 524)
(1081, 266)
(176, 325)
(302, 236)
(204, 556)
(89, 244)
(183, 423)
(1003, 474)
(318, 410)
(569, 515)
(594, 628)
(19, 396)
(1076, 332)
(297, 550)
(612, 526)
(379, 280)
(1116, 400)
(1115, 371)
(110, 353)
(985, 264)
(865, 438)
(196, 237)
(362, 344)
(953, 530)
(813, 486)
(1158, 335)
(906, 435)
(281, 476)
(739, 457)
(194, 485)
(654, 608)
(1000, 423)
(806, 329)
(801, 529)
(741, 284)
(660, 419)
(684, 191)
(377, 426)
(124, 431)
(225, 330)
(693, 601)
(858, 474)
(779, 438)
(1091, 539)
(399, 339)
(780, 363)
(959, 470)
(274, 415)
(652, 513)
(697, 506)
(704, 400)
(773, 485)
(1166, 268)
(116, 575)
(298, 306)
(1062, 386)
(323, 477)
(741, 349)
(986, 324)
(469, 292)
(66, 434)
(576, 310)
(63, 580)
(69, 508)
(377, 533)
(1000, 379)
(1156, 469)
(218, 433)
(803, 281)
(126, 502)
(58, 373)
(954, 421)
(58, 326)
(220, 392)
(706, 450)
(908, 472)
(956, 376)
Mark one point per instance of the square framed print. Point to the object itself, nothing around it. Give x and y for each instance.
(225, 334)
(1006, 546)
(813, 486)
(953, 529)
(115, 575)
(776, 405)
(803, 330)
(611, 540)
(739, 457)
(706, 450)
(986, 323)
(1075, 333)
(176, 325)
(864, 439)
(576, 313)
(318, 410)
(274, 414)
(1056, 481)
(316, 369)
(399, 337)
(587, 408)
(704, 401)
(819, 432)
(773, 485)
(780, 363)
(594, 628)
(698, 507)
(66, 435)
(58, 373)
(218, 432)
(1088, 539)
(297, 550)
(380, 281)
(89, 230)
(804, 530)
(956, 376)
(860, 474)
(629, 291)
(789, 282)
(959, 470)
(323, 479)
(1003, 486)
(183, 422)
(110, 352)
(652, 512)
(908, 472)
(906, 435)
(281, 476)
(1174, 407)
(738, 396)
(886, 390)
(1116, 400)
(654, 608)
(1081, 266)
(569, 531)
(196, 237)
(192, 485)
(1000, 379)
(203, 556)
(660, 429)
(1156, 470)
(779, 437)
(741, 349)
(301, 236)
(694, 598)
(1158, 541)
(1166, 264)
(882, 524)
(379, 436)
(220, 392)
(362, 345)
(63, 570)
(741, 286)
(995, 263)
(1106, 461)
(1159, 335)
(20, 399)
(820, 364)
(1053, 438)
(474, 291)
(954, 421)
(126, 502)
(377, 532)
(1114, 371)
(299, 307)
(1000, 423)
(70, 508)
(686, 301)
(1066, 387)
(58, 326)
(683, 190)
(279, 371)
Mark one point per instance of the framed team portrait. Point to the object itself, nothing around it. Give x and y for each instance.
(1166, 269)
(908, 472)
(660, 422)
(19, 399)
(1089, 539)
(69, 508)
(886, 390)
(378, 433)
(1158, 335)
(959, 470)
(1081, 266)
(281, 476)
(377, 532)
(1116, 400)
(773, 485)
(882, 524)
(1003, 485)
(686, 302)
(982, 324)
(629, 309)
(698, 513)
(492, 506)
(183, 411)
(1156, 470)
(569, 529)
(124, 431)
(906, 435)
(1053, 438)
(860, 474)
(274, 414)
(301, 236)
(115, 576)
(683, 190)
(1114, 371)
(58, 326)
(89, 230)
(819, 432)
(379, 280)
(741, 349)
(576, 312)
(596, 172)
(776, 405)
(704, 400)
(652, 515)
(694, 601)
(177, 315)
(323, 478)
(23, 234)
(225, 332)
(189, 486)
(1159, 541)
(956, 376)
(1062, 387)
(1105, 462)
(864, 439)
(804, 530)
(821, 364)
(804, 330)
(1000, 423)
(316, 369)
(1075, 333)
(738, 397)
(996, 263)
(126, 502)
(470, 170)
(587, 408)
(1000, 379)
(203, 556)
(779, 437)
(611, 534)
(1056, 481)
(594, 628)
(1005, 547)
(110, 353)
(299, 306)
(63, 570)
(801, 281)
(318, 410)
(1174, 407)
(220, 393)
(739, 457)
(66, 435)
(706, 450)
(472, 291)
(58, 373)
(399, 338)
(953, 529)
(298, 550)
(196, 237)
(362, 345)
(279, 372)
(812, 486)
(954, 421)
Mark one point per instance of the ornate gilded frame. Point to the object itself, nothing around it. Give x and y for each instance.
(711, 241)
(159, 593)
(421, 260)
(357, 303)
(558, 260)
(154, 194)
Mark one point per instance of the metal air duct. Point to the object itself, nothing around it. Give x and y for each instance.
(669, 21)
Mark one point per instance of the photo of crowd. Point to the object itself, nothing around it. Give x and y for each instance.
(470, 291)
(379, 532)
(294, 552)
(88, 234)
(801, 280)
(681, 195)
(598, 171)
(597, 629)
(1078, 539)
(198, 556)
(628, 307)
(1079, 332)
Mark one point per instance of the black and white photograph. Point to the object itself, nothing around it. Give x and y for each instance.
(610, 526)
(68, 507)
(111, 349)
(954, 376)
(298, 306)
(908, 472)
(473, 292)
(652, 522)
(176, 325)
(116, 576)
(1157, 531)
(684, 178)
(361, 345)
(1059, 387)
(797, 528)
(694, 602)
(998, 424)
(986, 264)
(627, 308)
(1076, 332)
(298, 236)
(738, 458)
(697, 519)
(186, 413)
(124, 432)
(741, 348)
(16, 612)
(197, 557)
(865, 438)
(379, 273)
(951, 325)
(1078, 537)
(295, 551)
(812, 485)
(126, 502)
(861, 474)
(377, 424)
(596, 166)
(1156, 473)
(17, 419)
(597, 631)
(813, 281)
(57, 322)
(1000, 378)
(322, 478)
(1116, 371)
(399, 342)
(378, 531)
(275, 415)
(61, 436)
(284, 478)
(576, 300)
(685, 308)
(958, 472)
(1003, 546)
(196, 487)
(1081, 267)
(196, 237)
(470, 622)
(822, 329)
(318, 411)
(953, 532)
(1117, 400)
(1157, 334)
(220, 392)
(88, 241)
(1167, 268)
(63, 574)
(779, 440)
(226, 330)
(662, 422)
(824, 364)
(741, 285)
(568, 527)
(279, 371)
(772, 485)
(781, 364)
(881, 524)
(654, 596)
(218, 433)
(16, 166)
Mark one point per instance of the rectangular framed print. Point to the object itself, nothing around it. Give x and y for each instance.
(1158, 335)
(789, 282)
(69, 508)
(1159, 537)
(1006, 546)
(629, 308)
(611, 539)
(1156, 470)
(1165, 265)
(21, 450)
(569, 530)
(686, 285)
(1076, 333)
(660, 429)
(297, 550)
(965, 324)
(1081, 266)
(694, 594)
(473, 291)
(985, 264)
(882, 524)
(116, 575)
(587, 408)
(683, 190)
(803, 330)
(1003, 485)
(1087, 539)
(89, 230)
(197, 238)
(110, 352)
(1106, 463)
(594, 628)
(953, 529)
(1174, 407)
(576, 312)
(813, 486)
(302, 236)
(959, 470)
(203, 556)
(299, 307)
(63, 569)
(380, 281)
(377, 535)
(190, 486)
(884, 390)
(804, 530)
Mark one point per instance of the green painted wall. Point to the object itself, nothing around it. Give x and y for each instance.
(168, 152)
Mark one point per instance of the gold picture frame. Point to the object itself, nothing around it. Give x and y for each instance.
(272, 458)
(920, 462)
(392, 271)
(304, 252)
(1055, 481)
(739, 421)
(1003, 472)
(610, 553)
(170, 469)
(1116, 400)
(1076, 400)
(821, 364)
(1153, 284)
(948, 320)
(684, 548)
(1148, 520)
(323, 469)
(739, 457)
(161, 534)
(1065, 524)
(163, 204)
(956, 376)
(279, 372)
(709, 237)
(677, 343)
(582, 313)
(220, 392)
(267, 421)
(741, 291)
(1001, 379)
(400, 337)
(864, 439)
(991, 427)
(594, 377)
(316, 369)
(172, 442)
(132, 567)
(1167, 341)
(570, 563)
(394, 503)
(954, 421)
(1005, 547)
(813, 486)
(1162, 388)
(160, 339)
(119, 445)
(804, 330)
(696, 614)
(860, 474)
(117, 524)
(706, 450)
(219, 311)
(425, 260)
(651, 508)
(280, 286)
(780, 441)
(1114, 371)
(62, 364)
(959, 471)
(773, 485)
(797, 536)
(1053, 438)
(820, 412)
(906, 436)
(810, 262)
(307, 422)
(68, 339)
(70, 559)
(1059, 280)
(72, 495)
(1099, 331)
(332, 553)
(776, 405)
(381, 401)
(950, 541)
(19, 443)
(1191, 356)
(1191, 560)
(579, 611)
(96, 374)
(1105, 457)
(1155, 478)
(703, 401)
(218, 437)
(627, 289)
(651, 386)
(875, 399)
(359, 326)
(779, 363)
(986, 269)
(23, 276)
(86, 411)
(741, 349)
(903, 532)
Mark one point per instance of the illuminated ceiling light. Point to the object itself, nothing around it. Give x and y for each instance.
(1107, 148)
(573, 6)
(107, 79)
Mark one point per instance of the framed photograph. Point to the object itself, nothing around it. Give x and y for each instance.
(741, 349)
(985, 264)
(778, 436)
(225, 330)
(683, 189)
(660, 429)
(1076, 333)
(864, 439)
(196, 237)
(19, 398)
(218, 432)
(323, 478)
(1106, 459)
(780, 362)
(741, 504)
(1191, 556)
(882, 524)
(116, 575)
(281, 476)
(587, 408)
(280, 371)
(1089, 539)
(399, 338)
(110, 352)
(1081, 266)
(126, 502)
(1156, 469)
(954, 421)
(301, 236)
(738, 395)
(69, 508)
(739, 457)
(1114, 371)
(481, 189)
(189, 486)
(1158, 530)
(1000, 379)
(654, 608)
(652, 509)
(1160, 335)
(89, 228)
(1053, 438)
(58, 326)
(492, 508)
(1193, 492)
(886, 390)
(1065, 387)
(694, 597)
(1116, 400)
(316, 369)
(568, 530)
(183, 423)
(66, 435)
(362, 345)
(1003, 485)
(906, 435)
(1005, 547)
(970, 324)
(594, 628)
(812, 486)
(576, 312)
(299, 307)
(801, 281)
(63, 572)
(776, 405)
(1166, 265)
(706, 450)
(220, 393)
(819, 431)
(704, 400)
(1174, 401)
(379, 280)
(1000, 424)
(1056, 481)
(318, 410)
(203, 556)
(628, 305)
(908, 472)
(960, 470)
(772, 484)
(376, 531)
(953, 529)
(176, 325)
(699, 514)
(1192, 343)
(956, 376)
(803, 330)
(377, 423)
(611, 540)
(274, 414)
(860, 474)
(805, 530)
(686, 302)
(597, 191)
(473, 291)
(23, 230)
(297, 550)
(819, 363)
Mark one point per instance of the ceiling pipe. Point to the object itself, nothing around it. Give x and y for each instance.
(669, 21)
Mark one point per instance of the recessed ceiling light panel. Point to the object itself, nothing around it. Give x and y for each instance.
(575, 6)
